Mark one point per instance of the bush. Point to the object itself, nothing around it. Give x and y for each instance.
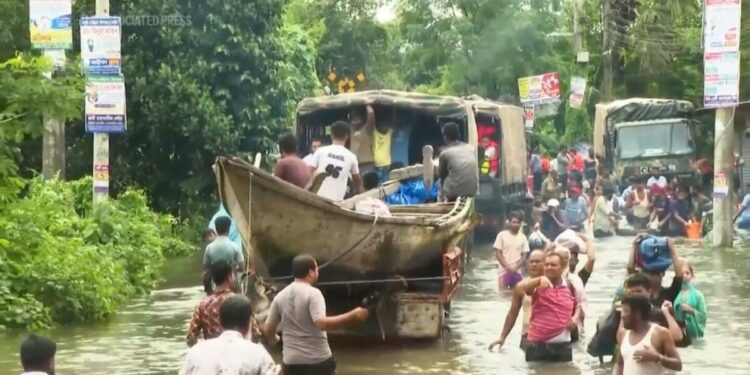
(62, 260)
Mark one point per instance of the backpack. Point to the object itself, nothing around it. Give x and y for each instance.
(604, 341)
(653, 253)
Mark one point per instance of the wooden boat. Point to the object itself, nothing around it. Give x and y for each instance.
(285, 221)
(415, 256)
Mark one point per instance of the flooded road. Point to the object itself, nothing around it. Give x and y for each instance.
(147, 337)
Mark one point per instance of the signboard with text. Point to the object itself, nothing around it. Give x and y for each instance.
(100, 45)
(50, 25)
(539, 89)
(721, 69)
(105, 104)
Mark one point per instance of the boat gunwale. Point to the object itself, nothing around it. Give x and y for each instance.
(455, 216)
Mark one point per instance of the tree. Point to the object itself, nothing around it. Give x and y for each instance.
(218, 77)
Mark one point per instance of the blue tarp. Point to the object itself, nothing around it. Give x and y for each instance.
(413, 192)
(234, 235)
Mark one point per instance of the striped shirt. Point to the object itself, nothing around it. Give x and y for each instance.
(551, 310)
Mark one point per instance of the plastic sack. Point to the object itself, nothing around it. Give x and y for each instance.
(413, 192)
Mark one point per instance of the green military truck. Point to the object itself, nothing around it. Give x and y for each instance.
(645, 137)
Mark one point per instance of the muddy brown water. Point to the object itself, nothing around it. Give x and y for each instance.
(147, 337)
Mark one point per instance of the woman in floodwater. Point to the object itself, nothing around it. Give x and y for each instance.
(690, 305)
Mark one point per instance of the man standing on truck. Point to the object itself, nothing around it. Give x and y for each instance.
(338, 163)
(457, 166)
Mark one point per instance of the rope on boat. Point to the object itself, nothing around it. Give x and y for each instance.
(337, 257)
(382, 281)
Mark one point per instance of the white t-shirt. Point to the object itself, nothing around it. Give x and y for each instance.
(230, 353)
(308, 159)
(340, 164)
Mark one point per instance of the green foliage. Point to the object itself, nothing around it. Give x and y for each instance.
(62, 260)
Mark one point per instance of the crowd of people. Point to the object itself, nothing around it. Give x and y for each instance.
(570, 192)
(647, 320)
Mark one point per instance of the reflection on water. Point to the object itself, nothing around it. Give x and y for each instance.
(147, 337)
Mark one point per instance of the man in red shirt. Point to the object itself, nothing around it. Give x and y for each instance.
(576, 161)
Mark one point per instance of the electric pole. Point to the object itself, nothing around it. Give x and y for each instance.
(607, 50)
(101, 140)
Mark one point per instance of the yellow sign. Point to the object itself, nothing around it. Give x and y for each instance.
(360, 77)
(523, 87)
(331, 76)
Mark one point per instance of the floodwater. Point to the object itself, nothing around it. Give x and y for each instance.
(147, 336)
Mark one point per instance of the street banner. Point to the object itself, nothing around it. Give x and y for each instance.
(721, 58)
(722, 28)
(50, 25)
(539, 89)
(105, 104)
(528, 116)
(577, 92)
(721, 79)
(100, 45)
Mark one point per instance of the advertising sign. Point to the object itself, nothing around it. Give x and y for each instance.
(105, 104)
(721, 79)
(544, 88)
(577, 91)
(50, 24)
(528, 116)
(100, 45)
(721, 31)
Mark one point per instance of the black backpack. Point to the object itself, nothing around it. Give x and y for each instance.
(604, 341)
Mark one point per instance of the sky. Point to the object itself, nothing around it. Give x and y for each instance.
(386, 13)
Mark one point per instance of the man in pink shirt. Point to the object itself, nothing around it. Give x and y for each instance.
(554, 312)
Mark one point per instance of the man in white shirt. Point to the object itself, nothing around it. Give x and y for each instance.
(38, 356)
(338, 163)
(661, 182)
(314, 146)
(231, 352)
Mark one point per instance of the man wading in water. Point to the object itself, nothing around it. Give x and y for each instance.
(299, 311)
(205, 317)
(38, 356)
(511, 249)
(521, 300)
(223, 248)
(645, 348)
(554, 313)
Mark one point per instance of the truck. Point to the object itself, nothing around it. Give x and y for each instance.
(507, 189)
(645, 137)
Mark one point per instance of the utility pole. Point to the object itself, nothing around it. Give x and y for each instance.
(721, 82)
(101, 140)
(724, 130)
(607, 50)
(53, 137)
